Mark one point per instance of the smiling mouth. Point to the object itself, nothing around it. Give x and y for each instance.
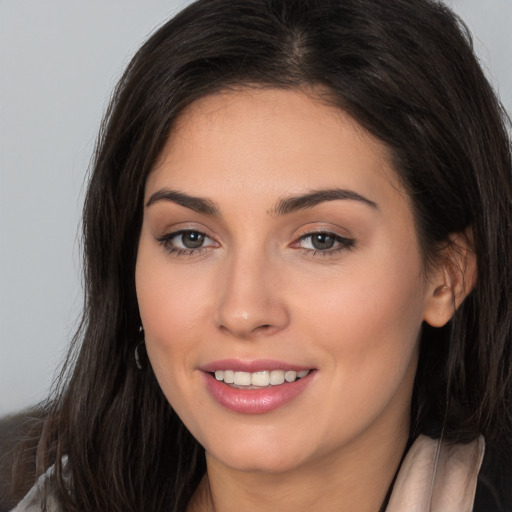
(258, 380)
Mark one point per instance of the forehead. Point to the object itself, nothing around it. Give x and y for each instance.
(270, 139)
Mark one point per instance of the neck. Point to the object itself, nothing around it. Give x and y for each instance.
(354, 479)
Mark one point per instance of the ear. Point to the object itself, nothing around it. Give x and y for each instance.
(452, 279)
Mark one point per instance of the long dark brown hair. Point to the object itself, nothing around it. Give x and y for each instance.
(405, 70)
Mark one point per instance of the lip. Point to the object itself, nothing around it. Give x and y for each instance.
(251, 366)
(254, 401)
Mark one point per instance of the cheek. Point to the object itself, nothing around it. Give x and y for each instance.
(169, 297)
(374, 299)
(368, 322)
(171, 305)
(170, 314)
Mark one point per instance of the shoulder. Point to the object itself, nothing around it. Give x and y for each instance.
(494, 491)
(487, 498)
(41, 491)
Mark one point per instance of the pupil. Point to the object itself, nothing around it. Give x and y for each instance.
(322, 241)
(192, 239)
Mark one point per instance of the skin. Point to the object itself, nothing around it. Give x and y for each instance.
(257, 289)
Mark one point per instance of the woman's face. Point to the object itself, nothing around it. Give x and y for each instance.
(277, 243)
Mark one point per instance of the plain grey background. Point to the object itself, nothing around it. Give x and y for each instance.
(59, 60)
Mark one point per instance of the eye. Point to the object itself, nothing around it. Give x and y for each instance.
(325, 242)
(186, 241)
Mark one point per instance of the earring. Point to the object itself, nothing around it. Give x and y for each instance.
(138, 358)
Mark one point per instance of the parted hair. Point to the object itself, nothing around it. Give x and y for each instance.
(405, 70)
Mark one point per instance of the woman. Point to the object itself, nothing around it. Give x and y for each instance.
(298, 283)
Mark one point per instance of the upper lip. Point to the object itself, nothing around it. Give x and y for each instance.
(251, 366)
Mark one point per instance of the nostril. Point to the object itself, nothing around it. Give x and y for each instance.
(265, 328)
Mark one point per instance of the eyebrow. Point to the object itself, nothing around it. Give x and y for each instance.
(197, 204)
(283, 207)
(311, 199)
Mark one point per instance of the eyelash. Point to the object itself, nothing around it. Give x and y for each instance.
(166, 242)
(343, 242)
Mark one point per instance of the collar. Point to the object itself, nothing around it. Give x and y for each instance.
(436, 476)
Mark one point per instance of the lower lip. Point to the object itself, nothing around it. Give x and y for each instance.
(255, 401)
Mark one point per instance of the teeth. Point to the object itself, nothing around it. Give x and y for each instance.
(229, 376)
(276, 377)
(242, 379)
(290, 376)
(260, 379)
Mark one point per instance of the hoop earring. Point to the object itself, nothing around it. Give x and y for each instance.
(138, 358)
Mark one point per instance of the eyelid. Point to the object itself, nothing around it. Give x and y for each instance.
(338, 238)
(342, 242)
(166, 241)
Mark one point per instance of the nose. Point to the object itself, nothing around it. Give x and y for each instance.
(251, 301)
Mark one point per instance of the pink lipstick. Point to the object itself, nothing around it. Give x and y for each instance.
(255, 387)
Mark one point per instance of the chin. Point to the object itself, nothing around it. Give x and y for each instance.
(259, 451)
(259, 460)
